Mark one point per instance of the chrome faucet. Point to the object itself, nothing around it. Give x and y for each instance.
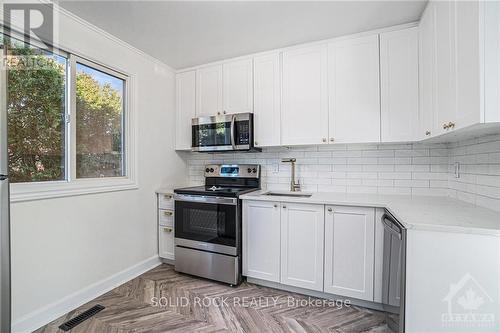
(294, 186)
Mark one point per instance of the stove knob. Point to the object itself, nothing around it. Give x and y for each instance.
(249, 170)
(254, 170)
(211, 169)
(207, 170)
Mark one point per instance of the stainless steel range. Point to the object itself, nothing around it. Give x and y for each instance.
(208, 222)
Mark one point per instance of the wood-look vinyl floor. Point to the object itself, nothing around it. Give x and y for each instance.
(162, 300)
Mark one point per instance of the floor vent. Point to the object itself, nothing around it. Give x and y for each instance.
(81, 317)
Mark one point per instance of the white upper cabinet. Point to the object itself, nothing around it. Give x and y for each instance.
(399, 85)
(267, 100)
(261, 240)
(238, 86)
(304, 115)
(349, 251)
(427, 70)
(354, 90)
(185, 98)
(445, 95)
(467, 55)
(209, 91)
(302, 232)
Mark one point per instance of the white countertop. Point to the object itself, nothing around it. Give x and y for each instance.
(414, 212)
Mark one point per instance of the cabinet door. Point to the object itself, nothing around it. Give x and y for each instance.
(238, 86)
(185, 108)
(399, 85)
(304, 116)
(354, 90)
(261, 240)
(267, 100)
(209, 91)
(302, 232)
(445, 65)
(166, 242)
(427, 71)
(467, 49)
(349, 251)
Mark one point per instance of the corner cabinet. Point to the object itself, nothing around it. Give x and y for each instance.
(261, 240)
(302, 232)
(350, 251)
(399, 85)
(304, 114)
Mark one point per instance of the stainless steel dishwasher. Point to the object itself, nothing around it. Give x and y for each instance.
(393, 290)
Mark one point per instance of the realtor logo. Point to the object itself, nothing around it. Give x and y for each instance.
(34, 20)
(465, 300)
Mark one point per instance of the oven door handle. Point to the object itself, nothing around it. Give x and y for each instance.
(233, 142)
(206, 199)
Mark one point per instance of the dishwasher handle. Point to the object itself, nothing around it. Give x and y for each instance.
(392, 226)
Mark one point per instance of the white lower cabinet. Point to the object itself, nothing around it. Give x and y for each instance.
(166, 242)
(349, 251)
(261, 240)
(302, 232)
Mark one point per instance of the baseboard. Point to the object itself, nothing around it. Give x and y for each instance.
(50, 312)
(318, 294)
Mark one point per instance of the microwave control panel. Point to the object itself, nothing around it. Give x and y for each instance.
(242, 132)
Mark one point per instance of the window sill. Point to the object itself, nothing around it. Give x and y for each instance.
(48, 190)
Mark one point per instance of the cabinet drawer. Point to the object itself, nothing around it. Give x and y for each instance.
(165, 201)
(166, 217)
(166, 242)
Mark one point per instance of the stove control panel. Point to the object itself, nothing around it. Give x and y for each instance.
(233, 170)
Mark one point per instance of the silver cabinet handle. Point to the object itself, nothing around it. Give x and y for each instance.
(331, 140)
(275, 206)
(167, 229)
(451, 125)
(324, 140)
(427, 133)
(168, 213)
(224, 112)
(330, 210)
(445, 126)
(167, 196)
(284, 207)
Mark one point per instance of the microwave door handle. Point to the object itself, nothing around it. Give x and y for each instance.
(233, 120)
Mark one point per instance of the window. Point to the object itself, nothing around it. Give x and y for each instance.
(99, 123)
(68, 123)
(36, 108)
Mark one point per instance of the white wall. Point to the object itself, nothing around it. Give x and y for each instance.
(61, 246)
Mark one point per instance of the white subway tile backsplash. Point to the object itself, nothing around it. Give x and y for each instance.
(411, 169)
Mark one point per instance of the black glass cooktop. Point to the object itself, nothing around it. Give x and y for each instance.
(214, 190)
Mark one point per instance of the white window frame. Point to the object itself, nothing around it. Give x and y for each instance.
(71, 185)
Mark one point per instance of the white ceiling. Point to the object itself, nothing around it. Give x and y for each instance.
(187, 33)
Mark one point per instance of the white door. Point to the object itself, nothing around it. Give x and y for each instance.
(445, 66)
(304, 115)
(467, 48)
(354, 90)
(209, 91)
(399, 85)
(427, 72)
(349, 251)
(261, 240)
(185, 108)
(166, 242)
(267, 100)
(238, 86)
(302, 232)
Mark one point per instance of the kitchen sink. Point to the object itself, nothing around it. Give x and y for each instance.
(289, 194)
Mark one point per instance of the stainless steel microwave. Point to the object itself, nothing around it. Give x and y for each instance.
(230, 132)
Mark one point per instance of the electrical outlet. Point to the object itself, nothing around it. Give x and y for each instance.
(457, 169)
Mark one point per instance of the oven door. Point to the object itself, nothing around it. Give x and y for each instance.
(207, 223)
(222, 133)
